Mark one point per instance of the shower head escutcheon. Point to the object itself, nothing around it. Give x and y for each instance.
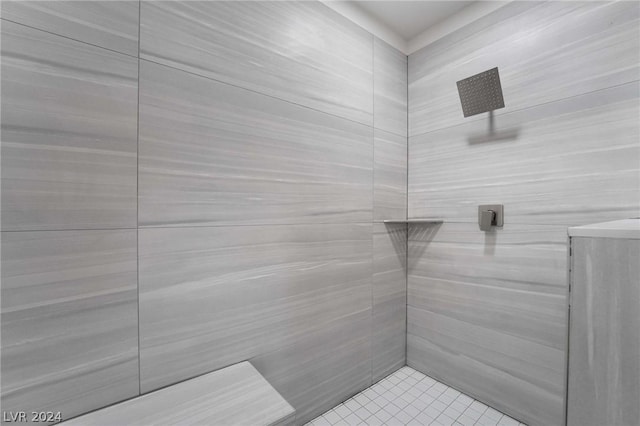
(481, 93)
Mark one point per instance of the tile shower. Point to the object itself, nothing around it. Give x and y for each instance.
(189, 185)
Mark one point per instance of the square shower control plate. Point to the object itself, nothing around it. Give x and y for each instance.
(481, 93)
(498, 209)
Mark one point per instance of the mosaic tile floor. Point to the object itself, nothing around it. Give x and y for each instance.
(408, 397)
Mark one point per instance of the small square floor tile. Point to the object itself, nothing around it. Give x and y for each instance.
(433, 392)
(464, 399)
(370, 393)
(478, 406)
(372, 407)
(395, 380)
(458, 406)
(508, 421)
(430, 381)
(383, 415)
(361, 399)
(332, 417)
(381, 402)
(415, 392)
(321, 421)
(485, 420)
(342, 410)
(401, 402)
(451, 412)
(353, 420)
(424, 418)
(392, 409)
(363, 413)
(441, 386)
(352, 404)
(440, 406)
(411, 411)
(466, 420)
(374, 421)
(432, 411)
(420, 404)
(493, 413)
(403, 416)
(445, 420)
(403, 386)
(446, 399)
(470, 412)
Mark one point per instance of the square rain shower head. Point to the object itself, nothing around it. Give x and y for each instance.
(481, 93)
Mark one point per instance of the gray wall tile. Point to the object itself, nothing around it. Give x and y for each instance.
(296, 297)
(69, 124)
(211, 153)
(212, 296)
(69, 320)
(389, 176)
(389, 88)
(487, 314)
(487, 311)
(545, 51)
(388, 344)
(302, 52)
(552, 162)
(109, 24)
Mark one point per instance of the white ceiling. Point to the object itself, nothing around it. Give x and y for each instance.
(409, 19)
(409, 25)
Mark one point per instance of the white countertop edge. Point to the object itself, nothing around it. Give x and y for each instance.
(621, 229)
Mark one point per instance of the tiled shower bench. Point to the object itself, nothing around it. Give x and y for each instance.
(235, 395)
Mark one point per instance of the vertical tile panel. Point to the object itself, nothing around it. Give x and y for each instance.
(69, 124)
(109, 24)
(389, 176)
(69, 320)
(389, 88)
(389, 299)
(302, 52)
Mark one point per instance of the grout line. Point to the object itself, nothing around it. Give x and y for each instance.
(70, 38)
(232, 225)
(373, 199)
(70, 229)
(406, 253)
(229, 225)
(138, 199)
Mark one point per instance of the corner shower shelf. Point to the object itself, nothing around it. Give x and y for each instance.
(426, 221)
